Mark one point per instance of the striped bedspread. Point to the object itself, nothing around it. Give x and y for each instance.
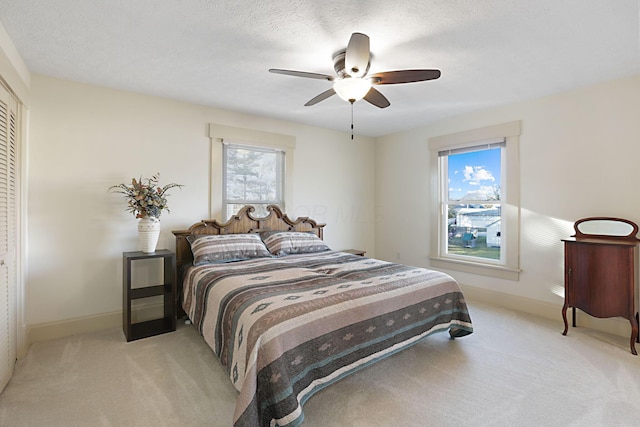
(287, 327)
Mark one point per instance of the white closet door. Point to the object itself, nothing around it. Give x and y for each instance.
(8, 235)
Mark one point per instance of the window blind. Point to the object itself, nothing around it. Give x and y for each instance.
(498, 143)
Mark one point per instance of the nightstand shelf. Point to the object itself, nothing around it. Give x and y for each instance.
(149, 291)
(167, 289)
(150, 328)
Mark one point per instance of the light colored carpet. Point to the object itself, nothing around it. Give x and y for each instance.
(514, 370)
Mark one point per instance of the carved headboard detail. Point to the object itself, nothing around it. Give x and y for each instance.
(242, 222)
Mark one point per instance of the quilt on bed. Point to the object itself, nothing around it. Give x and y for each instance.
(287, 327)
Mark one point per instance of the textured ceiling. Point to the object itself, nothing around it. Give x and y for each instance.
(217, 52)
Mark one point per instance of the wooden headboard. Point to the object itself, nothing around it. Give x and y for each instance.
(242, 222)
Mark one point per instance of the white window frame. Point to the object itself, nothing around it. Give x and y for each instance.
(445, 202)
(509, 265)
(221, 134)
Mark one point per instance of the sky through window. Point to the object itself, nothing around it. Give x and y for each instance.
(474, 175)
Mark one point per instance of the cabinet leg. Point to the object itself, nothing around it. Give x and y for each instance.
(564, 318)
(573, 315)
(634, 334)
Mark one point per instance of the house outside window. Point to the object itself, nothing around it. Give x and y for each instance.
(475, 202)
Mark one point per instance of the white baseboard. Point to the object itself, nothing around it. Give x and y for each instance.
(68, 327)
(82, 325)
(617, 325)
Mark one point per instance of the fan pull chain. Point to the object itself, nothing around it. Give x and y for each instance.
(352, 102)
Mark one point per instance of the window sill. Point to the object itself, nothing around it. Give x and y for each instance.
(499, 271)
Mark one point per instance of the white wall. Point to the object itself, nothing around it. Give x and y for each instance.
(85, 138)
(579, 155)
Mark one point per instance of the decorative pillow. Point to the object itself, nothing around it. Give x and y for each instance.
(226, 248)
(281, 243)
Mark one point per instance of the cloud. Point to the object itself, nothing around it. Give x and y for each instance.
(474, 175)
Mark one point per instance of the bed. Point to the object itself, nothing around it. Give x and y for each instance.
(291, 320)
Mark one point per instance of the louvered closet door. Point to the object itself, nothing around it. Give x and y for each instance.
(8, 235)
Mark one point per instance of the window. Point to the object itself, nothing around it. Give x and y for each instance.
(471, 201)
(252, 176)
(249, 167)
(475, 201)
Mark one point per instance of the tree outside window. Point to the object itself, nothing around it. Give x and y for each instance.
(252, 176)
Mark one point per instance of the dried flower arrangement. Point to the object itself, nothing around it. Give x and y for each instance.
(145, 198)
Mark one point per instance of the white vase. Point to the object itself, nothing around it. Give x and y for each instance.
(148, 233)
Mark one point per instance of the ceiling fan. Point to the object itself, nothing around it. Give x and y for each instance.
(352, 83)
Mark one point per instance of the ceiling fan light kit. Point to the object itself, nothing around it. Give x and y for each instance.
(352, 89)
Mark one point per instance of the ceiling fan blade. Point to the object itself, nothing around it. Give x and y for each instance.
(302, 74)
(324, 95)
(403, 76)
(357, 55)
(376, 98)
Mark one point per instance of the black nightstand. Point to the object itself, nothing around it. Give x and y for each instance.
(134, 331)
(355, 251)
